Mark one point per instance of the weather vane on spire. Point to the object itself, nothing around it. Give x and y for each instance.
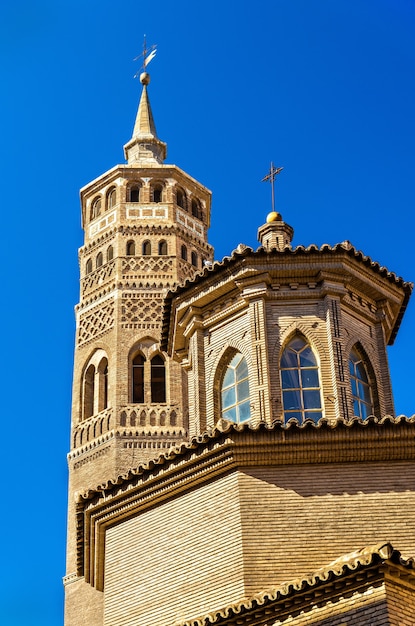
(147, 55)
(271, 176)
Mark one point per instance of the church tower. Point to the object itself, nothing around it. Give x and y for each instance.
(145, 226)
(235, 457)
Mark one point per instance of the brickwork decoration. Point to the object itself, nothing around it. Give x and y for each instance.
(141, 312)
(97, 278)
(96, 322)
(134, 415)
(146, 267)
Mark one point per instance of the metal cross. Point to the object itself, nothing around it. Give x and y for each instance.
(147, 55)
(271, 176)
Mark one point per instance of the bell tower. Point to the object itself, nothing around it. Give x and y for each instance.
(145, 230)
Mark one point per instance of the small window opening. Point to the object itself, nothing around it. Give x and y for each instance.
(135, 194)
(146, 248)
(158, 379)
(130, 248)
(162, 247)
(138, 379)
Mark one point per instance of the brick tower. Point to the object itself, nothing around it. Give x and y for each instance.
(145, 226)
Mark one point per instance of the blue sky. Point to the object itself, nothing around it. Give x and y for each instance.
(323, 88)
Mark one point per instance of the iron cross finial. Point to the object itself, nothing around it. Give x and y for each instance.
(271, 176)
(147, 55)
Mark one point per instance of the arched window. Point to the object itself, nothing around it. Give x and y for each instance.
(134, 194)
(96, 208)
(88, 266)
(196, 212)
(146, 248)
(138, 378)
(110, 253)
(100, 259)
(184, 253)
(194, 259)
(94, 386)
(157, 193)
(111, 198)
(130, 248)
(362, 392)
(235, 402)
(158, 379)
(88, 392)
(300, 381)
(162, 247)
(103, 384)
(181, 198)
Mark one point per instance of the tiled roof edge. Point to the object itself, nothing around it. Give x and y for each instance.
(216, 433)
(340, 567)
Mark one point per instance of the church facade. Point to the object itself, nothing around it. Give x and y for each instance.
(235, 457)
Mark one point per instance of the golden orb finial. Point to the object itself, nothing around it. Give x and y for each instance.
(144, 78)
(273, 217)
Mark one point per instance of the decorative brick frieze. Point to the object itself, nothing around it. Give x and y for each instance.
(97, 278)
(96, 322)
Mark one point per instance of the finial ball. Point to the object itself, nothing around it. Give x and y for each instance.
(144, 78)
(273, 217)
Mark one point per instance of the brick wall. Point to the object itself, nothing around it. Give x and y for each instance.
(177, 560)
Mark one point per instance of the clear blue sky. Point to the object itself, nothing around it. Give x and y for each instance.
(323, 88)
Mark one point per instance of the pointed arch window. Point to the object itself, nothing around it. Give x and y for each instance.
(300, 381)
(362, 391)
(130, 248)
(235, 401)
(146, 248)
(158, 379)
(138, 378)
(110, 253)
(88, 266)
(162, 248)
(100, 260)
(183, 253)
(194, 259)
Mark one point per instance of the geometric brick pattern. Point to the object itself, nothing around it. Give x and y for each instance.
(143, 310)
(97, 278)
(96, 322)
(145, 266)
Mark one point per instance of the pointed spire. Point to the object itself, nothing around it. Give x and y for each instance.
(144, 146)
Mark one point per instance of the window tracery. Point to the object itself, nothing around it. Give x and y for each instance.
(362, 391)
(300, 381)
(235, 400)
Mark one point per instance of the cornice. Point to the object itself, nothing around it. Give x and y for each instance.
(337, 269)
(216, 453)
